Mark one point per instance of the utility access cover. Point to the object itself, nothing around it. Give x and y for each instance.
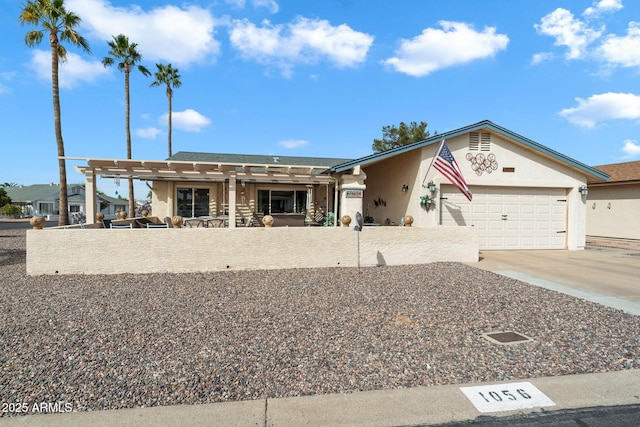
(506, 337)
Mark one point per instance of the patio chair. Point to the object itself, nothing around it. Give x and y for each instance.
(142, 222)
(121, 225)
(167, 220)
(156, 225)
(106, 223)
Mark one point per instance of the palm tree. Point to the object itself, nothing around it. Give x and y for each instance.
(53, 19)
(168, 76)
(127, 56)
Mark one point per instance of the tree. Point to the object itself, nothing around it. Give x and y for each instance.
(393, 137)
(168, 76)
(4, 197)
(127, 56)
(53, 19)
(9, 184)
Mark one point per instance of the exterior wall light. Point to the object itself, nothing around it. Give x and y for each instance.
(431, 186)
(584, 190)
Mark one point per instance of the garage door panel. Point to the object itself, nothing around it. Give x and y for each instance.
(510, 218)
(543, 209)
(527, 225)
(480, 208)
(511, 226)
(511, 208)
(495, 225)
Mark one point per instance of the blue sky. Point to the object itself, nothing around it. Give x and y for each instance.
(321, 78)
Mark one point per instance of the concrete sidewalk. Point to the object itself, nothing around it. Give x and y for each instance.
(421, 405)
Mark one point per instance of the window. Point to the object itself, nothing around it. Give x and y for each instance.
(45, 208)
(74, 208)
(479, 141)
(193, 202)
(282, 201)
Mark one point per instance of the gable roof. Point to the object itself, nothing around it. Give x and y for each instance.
(483, 125)
(256, 159)
(621, 172)
(30, 193)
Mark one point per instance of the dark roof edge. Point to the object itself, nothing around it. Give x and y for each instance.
(485, 124)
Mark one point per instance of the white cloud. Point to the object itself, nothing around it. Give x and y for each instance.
(271, 5)
(6, 76)
(622, 51)
(538, 58)
(293, 143)
(236, 3)
(73, 71)
(568, 31)
(456, 43)
(188, 120)
(148, 133)
(302, 41)
(602, 107)
(180, 35)
(631, 148)
(603, 6)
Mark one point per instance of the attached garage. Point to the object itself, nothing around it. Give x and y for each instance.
(509, 218)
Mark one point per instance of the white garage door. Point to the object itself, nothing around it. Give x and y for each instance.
(509, 218)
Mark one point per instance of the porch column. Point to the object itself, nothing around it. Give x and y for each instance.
(90, 196)
(232, 200)
(351, 198)
(310, 207)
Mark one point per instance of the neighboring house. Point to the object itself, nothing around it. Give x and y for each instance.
(525, 195)
(613, 206)
(44, 200)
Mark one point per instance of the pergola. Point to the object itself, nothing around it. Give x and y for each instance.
(191, 171)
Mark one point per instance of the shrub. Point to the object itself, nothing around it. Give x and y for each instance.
(10, 210)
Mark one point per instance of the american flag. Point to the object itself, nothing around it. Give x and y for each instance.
(447, 166)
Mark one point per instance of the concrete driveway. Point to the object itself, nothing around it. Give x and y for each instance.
(608, 276)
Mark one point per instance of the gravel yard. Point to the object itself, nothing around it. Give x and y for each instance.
(122, 341)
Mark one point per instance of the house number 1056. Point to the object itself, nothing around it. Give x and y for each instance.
(506, 397)
(506, 393)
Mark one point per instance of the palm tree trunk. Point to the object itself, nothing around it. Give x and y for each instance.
(63, 209)
(132, 204)
(169, 97)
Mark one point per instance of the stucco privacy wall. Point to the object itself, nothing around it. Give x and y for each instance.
(99, 251)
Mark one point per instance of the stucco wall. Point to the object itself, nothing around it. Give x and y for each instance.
(384, 199)
(99, 251)
(612, 211)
